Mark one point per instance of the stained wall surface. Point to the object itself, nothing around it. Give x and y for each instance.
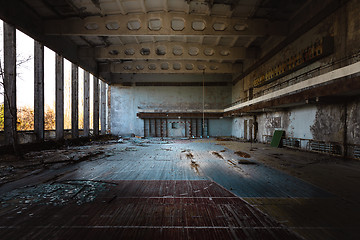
(320, 122)
(329, 121)
(346, 43)
(126, 102)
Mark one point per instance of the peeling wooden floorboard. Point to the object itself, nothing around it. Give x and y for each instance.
(147, 210)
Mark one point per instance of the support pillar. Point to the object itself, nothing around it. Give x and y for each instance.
(96, 106)
(59, 97)
(86, 104)
(74, 101)
(109, 108)
(167, 129)
(10, 116)
(39, 124)
(103, 107)
(345, 145)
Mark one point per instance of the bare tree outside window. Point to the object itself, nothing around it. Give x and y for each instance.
(20, 61)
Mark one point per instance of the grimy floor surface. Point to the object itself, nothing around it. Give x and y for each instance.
(172, 189)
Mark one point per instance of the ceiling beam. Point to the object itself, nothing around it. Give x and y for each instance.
(169, 51)
(164, 24)
(19, 14)
(166, 66)
(165, 78)
(305, 20)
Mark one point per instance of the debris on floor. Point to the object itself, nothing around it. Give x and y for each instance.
(244, 161)
(217, 154)
(58, 193)
(242, 154)
(195, 166)
(78, 184)
(14, 167)
(189, 155)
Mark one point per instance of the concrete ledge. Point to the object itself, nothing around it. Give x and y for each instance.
(312, 82)
(180, 115)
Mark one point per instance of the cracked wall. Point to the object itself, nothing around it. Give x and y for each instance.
(321, 122)
(329, 123)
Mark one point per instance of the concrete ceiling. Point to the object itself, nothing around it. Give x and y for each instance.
(166, 36)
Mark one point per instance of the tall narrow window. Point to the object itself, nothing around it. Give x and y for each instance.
(24, 81)
(49, 88)
(81, 99)
(91, 102)
(67, 94)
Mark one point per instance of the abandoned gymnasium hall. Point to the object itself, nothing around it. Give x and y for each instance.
(180, 119)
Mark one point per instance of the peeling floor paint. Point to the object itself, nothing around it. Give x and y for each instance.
(132, 176)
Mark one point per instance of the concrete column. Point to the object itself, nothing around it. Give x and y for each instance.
(109, 108)
(10, 116)
(103, 107)
(86, 104)
(96, 106)
(74, 101)
(59, 97)
(39, 123)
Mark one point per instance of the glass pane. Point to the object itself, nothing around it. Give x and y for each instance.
(91, 101)
(67, 94)
(49, 87)
(81, 98)
(24, 81)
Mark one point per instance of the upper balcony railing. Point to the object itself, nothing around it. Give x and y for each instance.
(302, 77)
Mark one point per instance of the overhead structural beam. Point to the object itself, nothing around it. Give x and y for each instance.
(305, 20)
(185, 78)
(169, 51)
(28, 21)
(154, 66)
(10, 116)
(155, 24)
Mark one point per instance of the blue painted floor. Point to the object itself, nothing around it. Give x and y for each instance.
(154, 159)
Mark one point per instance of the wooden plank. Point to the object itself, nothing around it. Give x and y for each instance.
(198, 209)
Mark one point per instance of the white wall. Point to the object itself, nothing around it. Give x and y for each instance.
(220, 127)
(321, 122)
(296, 122)
(126, 102)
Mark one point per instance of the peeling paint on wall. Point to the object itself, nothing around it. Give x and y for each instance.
(273, 122)
(353, 122)
(329, 123)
